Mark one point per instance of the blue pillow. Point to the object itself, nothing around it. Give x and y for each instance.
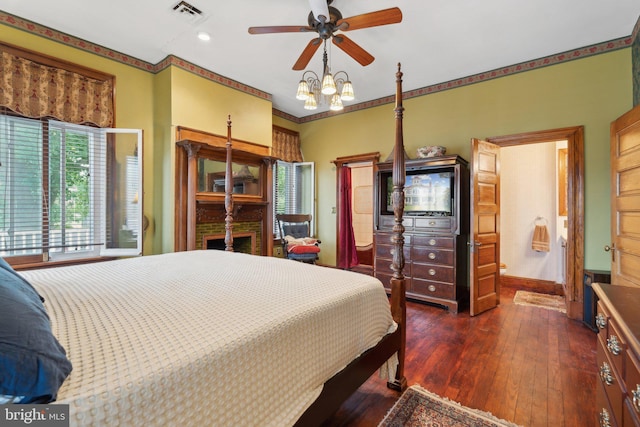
(33, 364)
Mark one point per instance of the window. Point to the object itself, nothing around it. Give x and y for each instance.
(68, 191)
(293, 189)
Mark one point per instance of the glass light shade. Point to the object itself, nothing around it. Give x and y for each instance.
(328, 85)
(336, 103)
(310, 103)
(303, 91)
(347, 92)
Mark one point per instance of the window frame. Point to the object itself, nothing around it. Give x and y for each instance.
(304, 200)
(100, 140)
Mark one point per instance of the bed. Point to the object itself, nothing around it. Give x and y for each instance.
(220, 338)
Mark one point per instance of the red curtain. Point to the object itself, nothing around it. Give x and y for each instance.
(348, 255)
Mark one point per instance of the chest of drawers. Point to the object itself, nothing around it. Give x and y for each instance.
(435, 270)
(618, 355)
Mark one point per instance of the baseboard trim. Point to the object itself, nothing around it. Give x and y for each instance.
(534, 285)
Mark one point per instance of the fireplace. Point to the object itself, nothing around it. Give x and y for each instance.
(202, 212)
(242, 242)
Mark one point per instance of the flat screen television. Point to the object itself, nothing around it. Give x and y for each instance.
(425, 193)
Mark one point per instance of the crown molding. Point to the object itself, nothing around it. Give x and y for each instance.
(546, 61)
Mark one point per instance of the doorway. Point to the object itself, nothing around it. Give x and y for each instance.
(533, 220)
(358, 211)
(574, 250)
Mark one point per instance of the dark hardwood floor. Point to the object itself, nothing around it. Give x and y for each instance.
(531, 366)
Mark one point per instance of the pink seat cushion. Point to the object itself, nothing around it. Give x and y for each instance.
(303, 249)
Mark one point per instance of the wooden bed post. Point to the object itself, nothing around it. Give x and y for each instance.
(228, 194)
(398, 285)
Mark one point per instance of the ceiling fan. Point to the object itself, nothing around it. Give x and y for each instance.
(326, 20)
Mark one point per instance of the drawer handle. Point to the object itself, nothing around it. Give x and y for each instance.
(432, 272)
(431, 255)
(636, 398)
(605, 419)
(432, 288)
(601, 321)
(432, 242)
(605, 374)
(614, 345)
(432, 223)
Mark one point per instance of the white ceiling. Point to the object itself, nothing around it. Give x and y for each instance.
(437, 40)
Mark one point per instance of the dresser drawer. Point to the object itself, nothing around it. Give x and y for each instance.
(386, 251)
(385, 278)
(431, 272)
(615, 345)
(438, 223)
(442, 242)
(432, 254)
(383, 266)
(630, 417)
(604, 415)
(602, 318)
(610, 381)
(389, 221)
(632, 383)
(432, 289)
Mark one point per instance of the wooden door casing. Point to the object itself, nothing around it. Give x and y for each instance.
(485, 246)
(625, 199)
(575, 204)
(374, 158)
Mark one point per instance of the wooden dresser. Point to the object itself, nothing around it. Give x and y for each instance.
(618, 355)
(435, 247)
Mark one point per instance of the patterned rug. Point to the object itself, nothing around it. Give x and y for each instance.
(419, 407)
(550, 302)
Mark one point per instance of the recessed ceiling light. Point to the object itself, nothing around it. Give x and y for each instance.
(204, 36)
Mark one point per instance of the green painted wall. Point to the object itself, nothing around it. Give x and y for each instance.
(201, 104)
(163, 161)
(591, 92)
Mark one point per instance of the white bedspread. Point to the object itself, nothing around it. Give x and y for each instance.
(206, 338)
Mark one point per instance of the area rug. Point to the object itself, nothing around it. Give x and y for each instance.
(534, 299)
(419, 407)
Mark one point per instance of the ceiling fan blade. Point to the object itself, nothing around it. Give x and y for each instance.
(363, 57)
(280, 29)
(319, 8)
(307, 54)
(372, 19)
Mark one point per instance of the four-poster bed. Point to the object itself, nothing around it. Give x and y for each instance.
(195, 337)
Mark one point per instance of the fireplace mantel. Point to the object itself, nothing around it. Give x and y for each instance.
(196, 209)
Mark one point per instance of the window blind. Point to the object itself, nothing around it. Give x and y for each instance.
(66, 190)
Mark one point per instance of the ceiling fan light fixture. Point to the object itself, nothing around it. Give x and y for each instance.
(310, 103)
(328, 85)
(336, 103)
(347, 92)
(303, 91)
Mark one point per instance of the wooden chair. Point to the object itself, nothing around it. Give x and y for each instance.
(295, 236)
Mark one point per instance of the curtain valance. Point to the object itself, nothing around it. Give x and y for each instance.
(286, 145)
(36, 90)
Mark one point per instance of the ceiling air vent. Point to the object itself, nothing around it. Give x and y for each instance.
(188, 11)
